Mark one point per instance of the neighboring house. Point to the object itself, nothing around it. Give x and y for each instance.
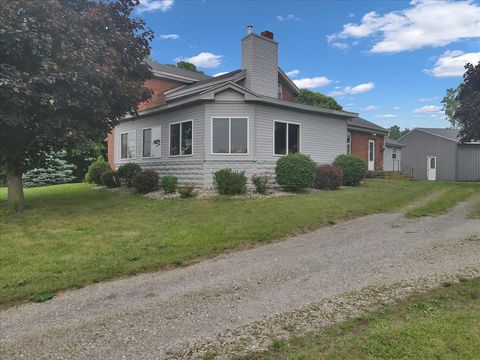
(245, 120)
(392, 155)
(438, 154)
(366, 139)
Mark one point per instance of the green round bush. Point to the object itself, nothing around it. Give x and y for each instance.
(354, 169)
(169, 184)
(127, 172)
(95, 171)
(230, 182)
(295, 172)
(328, 177)
(109, 178)
(146, 181)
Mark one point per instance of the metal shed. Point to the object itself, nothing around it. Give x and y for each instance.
(437, 154)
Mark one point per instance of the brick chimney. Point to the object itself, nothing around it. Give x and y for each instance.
(260, 59)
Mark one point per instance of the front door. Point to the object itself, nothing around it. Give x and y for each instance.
(431, 167)
(371, 155)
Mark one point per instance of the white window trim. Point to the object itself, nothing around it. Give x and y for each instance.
(299, 136)
(349, 143)
(151, 128)
(170, 136)
(134, 149)
(229, 135)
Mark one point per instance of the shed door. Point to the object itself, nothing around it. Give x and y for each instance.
(371, 155)
(431, 167)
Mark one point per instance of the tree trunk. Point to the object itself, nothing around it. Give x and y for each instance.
(15, 190)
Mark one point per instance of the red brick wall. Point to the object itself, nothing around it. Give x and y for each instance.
(287, 93)
(159, 86)
(360, 147)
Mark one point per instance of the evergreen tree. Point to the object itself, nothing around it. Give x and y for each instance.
(56, 171)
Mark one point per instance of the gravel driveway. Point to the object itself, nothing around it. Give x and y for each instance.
(177, 313)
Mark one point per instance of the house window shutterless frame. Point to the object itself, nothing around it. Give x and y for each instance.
(229, 135)
(127, 145)
(151, 142)
(286, 138)
(181, 138)
(349, 142)
(394, 153)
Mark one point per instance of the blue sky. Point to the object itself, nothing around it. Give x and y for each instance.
(391, 61)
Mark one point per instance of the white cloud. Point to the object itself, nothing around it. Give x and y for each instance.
(353, 90)
(287, 17)
(152, 5)
(350, 15)
(220, 73)
(370, 108)
(428, 109)
(386, 116)
(428, 99)
(451, 63)
(170, 36)
(424, 23)
(311, 83)
(396, 108)
(204, 60)
(340, 45)
(293, 73)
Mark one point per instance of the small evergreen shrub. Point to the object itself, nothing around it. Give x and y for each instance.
(109, 179)
(187, 191)
(230, 182)
(260, 182)
(146, 181)
(127, 172)
(55, 170)
(169, 184)
(353, 167)
(328, 177)
(295, 172)
(95, 171)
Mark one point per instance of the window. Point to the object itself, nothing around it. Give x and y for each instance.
(229, 135)
(394, 153)
(286, 138)
(349, 142)
(127, 145)
(280, 91)
(371, 146)
(181, 138)
(151, 142)
(432, 163)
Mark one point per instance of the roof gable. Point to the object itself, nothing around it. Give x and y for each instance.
(448, 134)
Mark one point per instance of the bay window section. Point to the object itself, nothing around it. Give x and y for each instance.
(229, 135)
(147, 143)
(286, 138)
(151, 142)
(181, 138)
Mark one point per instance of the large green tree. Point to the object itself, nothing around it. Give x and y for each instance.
(395, 133)
(450, 104)
(309, 97)
(69, 71)
(182, 64)
(467, 113)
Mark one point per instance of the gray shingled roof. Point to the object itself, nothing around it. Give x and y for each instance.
(177, 71)
(365, 124)
(392, 143)
(452, 134)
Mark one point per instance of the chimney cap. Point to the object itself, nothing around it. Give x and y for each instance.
(267, 34)
(249, 29)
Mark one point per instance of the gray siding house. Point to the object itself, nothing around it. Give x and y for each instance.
(243, 120)
(392, 155)
(438, 154)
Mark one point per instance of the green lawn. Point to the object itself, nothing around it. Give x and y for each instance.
(449, 198)
(441, 324)
(72, 235)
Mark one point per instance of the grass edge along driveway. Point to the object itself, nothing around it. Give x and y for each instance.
(72, 235)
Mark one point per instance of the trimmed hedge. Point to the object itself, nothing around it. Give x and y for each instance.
(295, 172)
(95, 171)
(109, 179)
(354, 169)
(169, 184)
(127, 172)
(328, 177)
(146, 181)
(230, 182)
